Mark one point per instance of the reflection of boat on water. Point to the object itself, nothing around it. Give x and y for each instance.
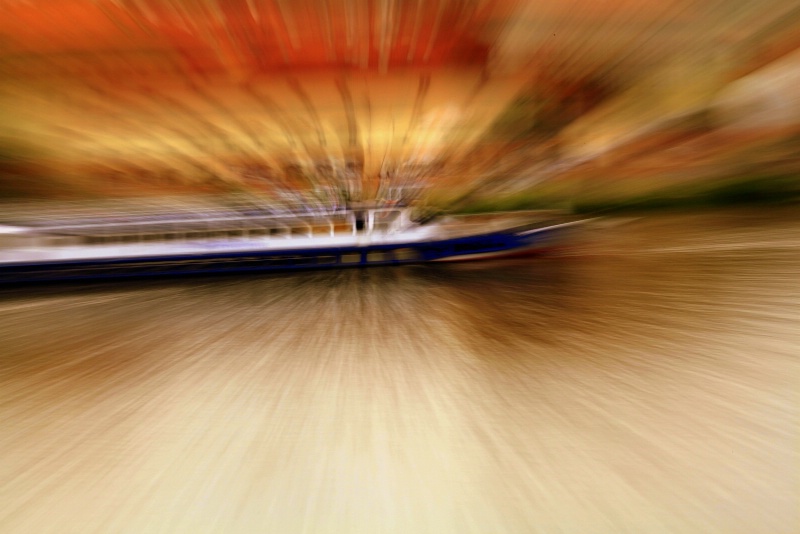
(364, 236)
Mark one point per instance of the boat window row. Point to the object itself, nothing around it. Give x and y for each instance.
(314, 231)
(206, 235)
(382, 222)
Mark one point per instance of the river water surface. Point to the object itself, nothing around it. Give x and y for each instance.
(645, 380)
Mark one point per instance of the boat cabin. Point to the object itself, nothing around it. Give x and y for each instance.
(358, 221)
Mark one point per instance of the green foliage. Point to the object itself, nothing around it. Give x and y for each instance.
(764, 189)
(756, 189)
(510, 203)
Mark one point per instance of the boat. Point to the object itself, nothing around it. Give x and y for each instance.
(359, 236)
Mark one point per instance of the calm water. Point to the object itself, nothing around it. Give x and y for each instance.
(644, 381)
